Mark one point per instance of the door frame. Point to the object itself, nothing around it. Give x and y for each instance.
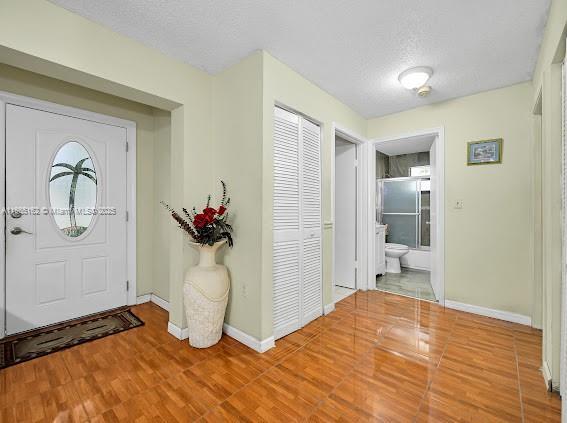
(46, 106)
(439, 255)
(563, 323)
(283, 106)
(361, 238)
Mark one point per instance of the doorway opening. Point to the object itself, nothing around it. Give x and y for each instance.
(406, 184)
(347, 215)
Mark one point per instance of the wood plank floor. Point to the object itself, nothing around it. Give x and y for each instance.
(378, 357)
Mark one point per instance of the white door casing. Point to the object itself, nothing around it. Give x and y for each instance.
(438, 184)
(51, 277)
(434, 210)
(563, 349)
(345, 214)
(297, 271)
(363, 231)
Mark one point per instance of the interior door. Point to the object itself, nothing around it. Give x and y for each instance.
(345, 214)
(312, 279)
(286, 229)
(66, 218)
(297, 271)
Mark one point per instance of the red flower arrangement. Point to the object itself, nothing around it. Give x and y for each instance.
(209, 226)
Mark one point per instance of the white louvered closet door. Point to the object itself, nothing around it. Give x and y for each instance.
(297, 273)
(287, 239)
(311, 221)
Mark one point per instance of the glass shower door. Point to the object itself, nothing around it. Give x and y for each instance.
(400, 211)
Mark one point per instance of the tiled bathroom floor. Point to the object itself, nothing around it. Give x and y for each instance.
(412, 283)
(340, 293)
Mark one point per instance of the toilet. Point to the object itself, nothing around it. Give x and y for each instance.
(393, 254)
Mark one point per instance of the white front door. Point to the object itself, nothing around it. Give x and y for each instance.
(345, 214)
(65, 218)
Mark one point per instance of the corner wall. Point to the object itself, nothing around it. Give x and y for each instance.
(161, 192)
(237, 159)
(547, 84)
(283, 85)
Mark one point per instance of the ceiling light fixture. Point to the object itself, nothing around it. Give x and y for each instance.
(416, 78)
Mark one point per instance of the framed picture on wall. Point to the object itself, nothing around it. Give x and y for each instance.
(484, 152)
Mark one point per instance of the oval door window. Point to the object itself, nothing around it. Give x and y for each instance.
(73, 189)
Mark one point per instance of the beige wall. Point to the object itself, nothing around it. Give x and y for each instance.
(487, 243)
(39, 36)
(161, 192)
(547, 175)
(237, 159)
(283, 85)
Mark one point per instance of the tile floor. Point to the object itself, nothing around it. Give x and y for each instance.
(377, 357)
(340, 293)
(411, 283)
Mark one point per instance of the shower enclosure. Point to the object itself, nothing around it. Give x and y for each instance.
(403, 205)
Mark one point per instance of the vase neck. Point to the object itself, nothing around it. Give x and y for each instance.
(207, 256)
(207, 253)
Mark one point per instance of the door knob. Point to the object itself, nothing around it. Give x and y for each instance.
(17, 231)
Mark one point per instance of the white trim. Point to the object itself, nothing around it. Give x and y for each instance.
(248, 340)
(243, 338)
(3, 221)
(439, 254)
(329, 308)
(176, 331)
(141, 299)
(129, 126)
(160, 302)
(131, 246)
(490, 312)
(546, 373)
(361, 238)
(423, 269)
(563, 323)
(146, 298)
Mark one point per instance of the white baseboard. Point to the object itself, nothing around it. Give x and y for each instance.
(248, 340)
(546, 375)
(422, 269)
(329, 308)
(244, 338)
(177, 331)
(160, 302)
(143, 299)
(489, 312)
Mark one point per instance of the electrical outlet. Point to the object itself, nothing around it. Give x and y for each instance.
(244, 291)
(459, 204)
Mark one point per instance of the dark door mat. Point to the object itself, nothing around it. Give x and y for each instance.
(39, 342)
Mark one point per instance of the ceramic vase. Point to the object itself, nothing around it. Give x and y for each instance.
(205, 295)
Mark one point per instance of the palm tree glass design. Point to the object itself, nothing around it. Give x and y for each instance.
(73, 189)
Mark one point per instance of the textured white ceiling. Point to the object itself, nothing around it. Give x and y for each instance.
(353, 49)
